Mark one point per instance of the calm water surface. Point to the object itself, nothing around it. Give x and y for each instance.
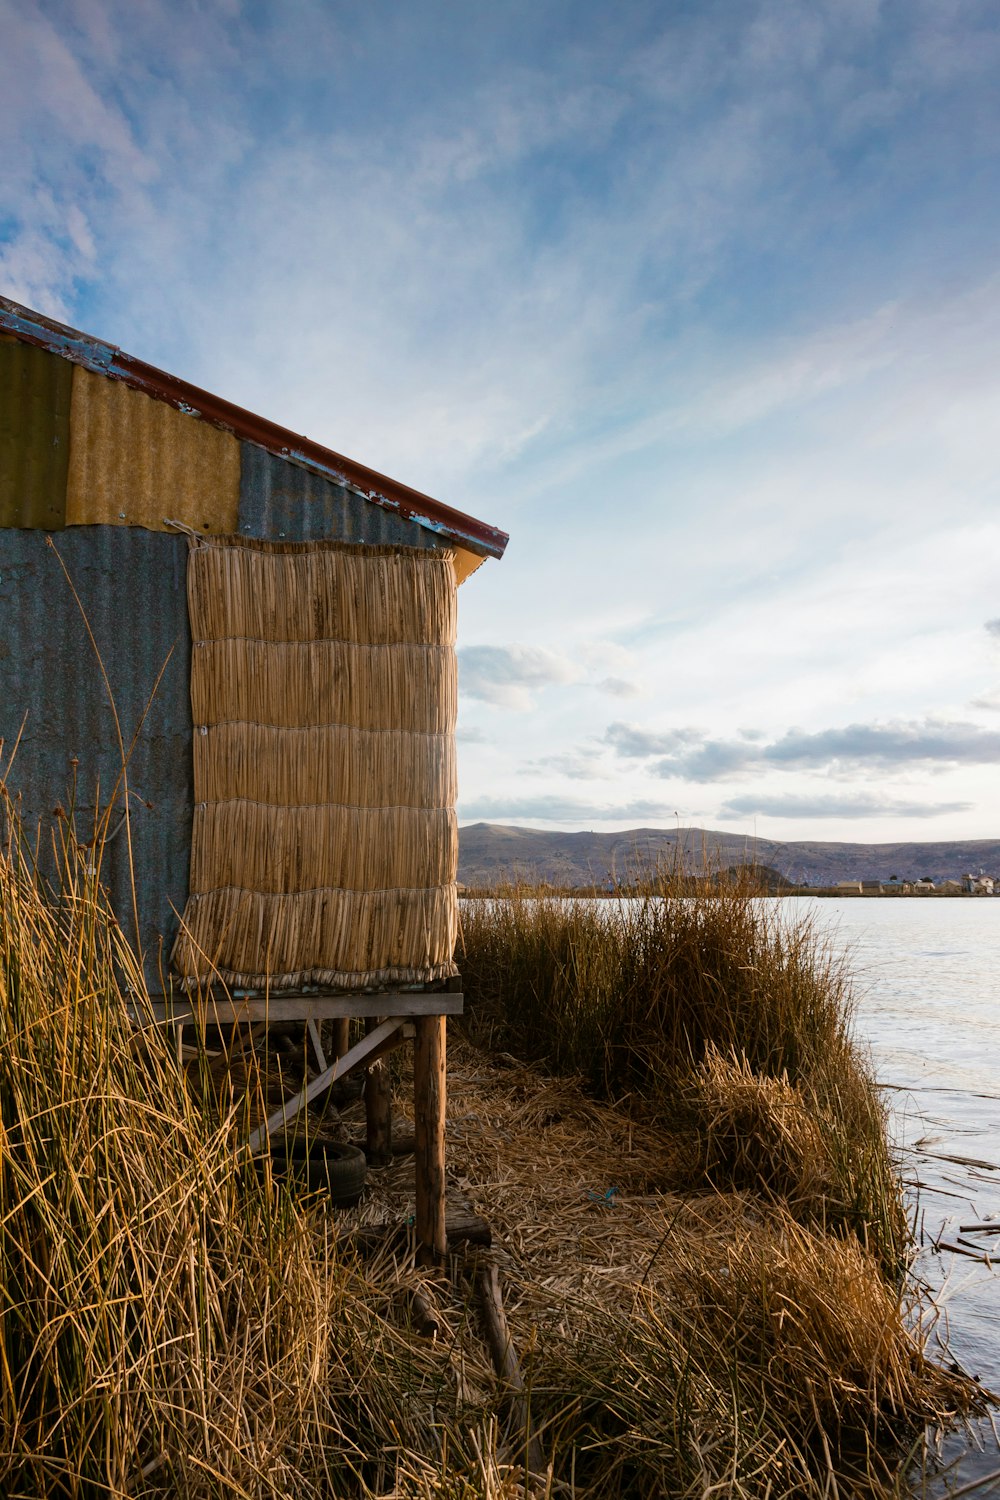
(927, 981)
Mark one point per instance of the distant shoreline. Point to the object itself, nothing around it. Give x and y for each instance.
(592, 893)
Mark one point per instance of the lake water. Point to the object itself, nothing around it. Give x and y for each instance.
(927, 974)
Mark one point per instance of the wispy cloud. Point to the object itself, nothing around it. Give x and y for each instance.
(633, 742)
(847, 806)
(557, 809)
(619, 687)
(509, 676)
(842, 750)
(993, 627)
(585, 764)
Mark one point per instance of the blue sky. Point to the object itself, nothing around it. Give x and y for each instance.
(700, 302)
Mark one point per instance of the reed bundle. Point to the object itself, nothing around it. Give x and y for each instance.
(324, 696)
(350, 767)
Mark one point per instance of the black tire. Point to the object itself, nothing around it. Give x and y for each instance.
(324, 1166)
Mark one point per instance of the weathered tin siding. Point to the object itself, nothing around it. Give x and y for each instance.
(279, 500)
(34, 435)
(131, 584)
(78, 448)
(138, 462)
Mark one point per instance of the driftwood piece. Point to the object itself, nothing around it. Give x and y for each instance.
(957, 1249)
(505, 1362)
(422, 1315)
(462, 1227)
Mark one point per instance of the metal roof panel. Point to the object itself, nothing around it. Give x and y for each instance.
(106, 360)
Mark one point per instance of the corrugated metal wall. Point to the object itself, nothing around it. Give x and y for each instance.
(138, 462)
(131, 584)
(34, 435)
(281, 500)
(74, 449)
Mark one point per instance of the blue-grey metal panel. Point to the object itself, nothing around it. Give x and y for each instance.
(132, 587)
(281, 501)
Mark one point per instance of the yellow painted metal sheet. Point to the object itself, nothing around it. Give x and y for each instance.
(134, 461)
(34, 436)
(466, 564)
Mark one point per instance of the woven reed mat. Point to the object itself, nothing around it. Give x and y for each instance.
(324, 694)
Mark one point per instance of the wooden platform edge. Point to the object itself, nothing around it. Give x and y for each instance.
(219, 1011)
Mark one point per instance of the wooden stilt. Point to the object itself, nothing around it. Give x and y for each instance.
(429, 1099)
(378, 1108)
(341, 1035)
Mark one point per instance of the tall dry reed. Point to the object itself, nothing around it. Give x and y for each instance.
(169, 1324)
(698, 1008)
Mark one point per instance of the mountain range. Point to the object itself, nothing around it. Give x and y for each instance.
(490, 853)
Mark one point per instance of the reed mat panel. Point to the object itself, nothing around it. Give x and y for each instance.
(324, 695)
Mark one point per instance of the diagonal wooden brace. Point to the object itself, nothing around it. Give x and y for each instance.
(373, 1043)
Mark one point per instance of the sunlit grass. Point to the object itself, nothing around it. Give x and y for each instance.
(171, 1325)
(708, 1011)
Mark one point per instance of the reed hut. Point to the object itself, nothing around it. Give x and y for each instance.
(240, 645)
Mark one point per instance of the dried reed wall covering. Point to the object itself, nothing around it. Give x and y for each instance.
(324, 696)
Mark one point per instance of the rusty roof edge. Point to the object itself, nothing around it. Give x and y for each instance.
(108, 360)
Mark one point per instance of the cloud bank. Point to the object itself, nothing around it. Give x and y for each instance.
(845, 750)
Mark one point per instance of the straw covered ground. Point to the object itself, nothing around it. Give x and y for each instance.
(174, 1323)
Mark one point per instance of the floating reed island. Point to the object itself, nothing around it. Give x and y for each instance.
(697, 1280)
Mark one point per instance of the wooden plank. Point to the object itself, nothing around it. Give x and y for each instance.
(429, 1104)
(317, 1044)
(361, 1052)
(223, 1011)
(378, 1110)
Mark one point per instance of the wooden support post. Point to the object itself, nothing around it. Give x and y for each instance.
(341, 1035)
(378, 1108)
(429, 1100)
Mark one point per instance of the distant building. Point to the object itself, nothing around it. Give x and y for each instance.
(849, 887)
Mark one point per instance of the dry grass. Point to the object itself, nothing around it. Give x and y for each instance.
(706, 1012)
(169, 1325)
(172, 1326)
(678, 1342)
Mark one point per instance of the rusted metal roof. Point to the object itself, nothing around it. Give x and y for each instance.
(107, 360)
(34, 435)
